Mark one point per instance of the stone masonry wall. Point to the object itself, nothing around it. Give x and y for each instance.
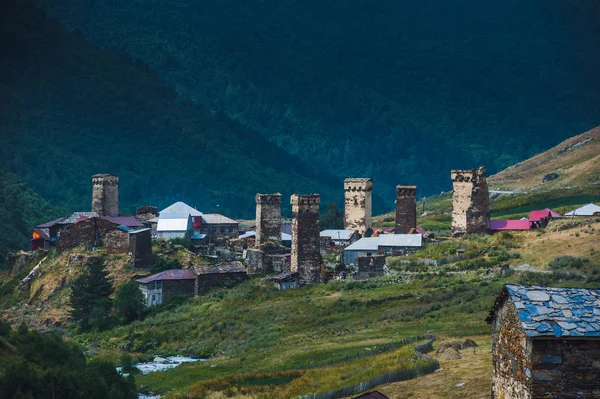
(511, 356)
(140, 246)
(470, 202)
(358, 204)
(171, 288)
(566, 368)
(117, 241)
(86, 233)
(268, 218)
(370, 266)
(105, 195)
(306, 257)
(406, 209)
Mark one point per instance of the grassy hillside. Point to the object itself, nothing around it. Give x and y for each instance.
(400, 91)
(70, 109)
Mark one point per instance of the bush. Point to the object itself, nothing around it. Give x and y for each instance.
(162, 263)
(568, 262)
(129, 302)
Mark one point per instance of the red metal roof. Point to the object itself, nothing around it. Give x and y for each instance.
(496, 225)
(536, 216)
(173, 274)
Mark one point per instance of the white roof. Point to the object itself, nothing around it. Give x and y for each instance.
(180, 207)
(172, 224)
(338, 234)
(215, 218)
(251, 233)
(587, 210)
(286, 237)
(386, 240)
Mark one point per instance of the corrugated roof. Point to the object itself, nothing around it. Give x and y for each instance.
(386, 240)
(173, 274)
(180, 207)
(497, 225)
(139, 231)
(338, 234)
(553, 214)
(41, 232)
(587, 210)
(129, 221)
(172, 224)
(536, 216)
(51, 223)
(553, 312)
(285, 276)
(124, 228)
(174, 216)
(251, 233)
(217, 269)
(216, 218)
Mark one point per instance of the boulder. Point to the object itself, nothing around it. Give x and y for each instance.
(550, 176)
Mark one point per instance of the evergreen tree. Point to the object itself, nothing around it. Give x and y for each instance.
(129, 302)
(90, 295)
(332, 218)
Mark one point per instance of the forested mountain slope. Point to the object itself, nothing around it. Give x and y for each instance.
(398, 90)
(69, 109)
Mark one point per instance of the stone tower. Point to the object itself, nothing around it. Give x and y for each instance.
(105, 194)
(470, 202)
(406, 209)
(268, 219)
(306, 242)
(357, 204)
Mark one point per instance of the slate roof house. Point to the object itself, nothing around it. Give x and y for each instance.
(545, 343)
(385, 244)
(159, 287)
(217, 226)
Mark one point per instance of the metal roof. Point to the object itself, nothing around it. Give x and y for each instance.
(338, 234)
(173, 274)
(386, 240)
(51, 223)
(139, 231)
(553, 312)
(180, 207)
(496, 225)
(587, 210)
(216, 218)
(371, 395)
(198, 236)
(79, 216)
(173, 224)
(129, 221)
(124, 228)
(217, 269)
(252, 233)
(285, 276)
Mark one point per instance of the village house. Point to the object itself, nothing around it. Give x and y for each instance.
(218, 227)
(340, 237)
(159, 287)
(286, 281)
(584, 211)
(174, 225)
(385, 244)
(545, 343)
(214, 276)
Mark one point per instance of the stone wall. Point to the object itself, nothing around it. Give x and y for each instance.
(406, 209)
(146, 212)
(470, 202)
(140, 247)
(117, 241)
(370, 266)
(204, 282)
(566, 368)
(87, 233)
(511, 356)
(105, 195)
(171, 288)
(358, 204)
(306, 256)
(268, 218)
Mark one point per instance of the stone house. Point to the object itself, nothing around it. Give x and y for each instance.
(385, 244)
(117, 240)
(88, 233)
(214, 276)
(218, 227)
(140, 247)
(370, 266)
(545, 343)
(159, 287)
(286, 281)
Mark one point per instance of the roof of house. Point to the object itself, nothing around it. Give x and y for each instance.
(215, 218)
(338, 234)
(129, 221)
(553, 312)
(50, 223)
(41, 233)
(371, 395)
(78, 217)
(139, 231)
(286, 236)
(554, 214)
(198, 236)
(124, 228)
(174, 216)
(173, 224)
(218, 269)
(173, 274)
(386, 240)
(536, 216)
(180, 207)
(285, 276)
(252, 233)
(496, 225)
(587, 210)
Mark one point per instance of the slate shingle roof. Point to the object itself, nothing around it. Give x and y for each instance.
(554, 312)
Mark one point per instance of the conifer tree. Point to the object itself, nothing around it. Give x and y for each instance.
(90, 295)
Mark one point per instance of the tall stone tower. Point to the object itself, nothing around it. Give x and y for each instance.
(470, 202)
(306, 242)
(105, 194)
(406, 209)
(357, 204)
(268, 218)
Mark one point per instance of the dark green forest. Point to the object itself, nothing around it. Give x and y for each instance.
(70, 109)
(398, 90)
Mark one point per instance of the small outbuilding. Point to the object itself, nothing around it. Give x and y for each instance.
(545, 343)
(286, 281)
(385, 244)
(214, 276)
(340, 237)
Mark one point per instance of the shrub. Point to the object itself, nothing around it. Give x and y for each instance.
(567, 262)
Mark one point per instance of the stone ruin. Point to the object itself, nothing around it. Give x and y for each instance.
(406, 210)
(105, 194)
(358, 204)
(268, 254)
(470, 202)
(370, 266)
(306, 256)
(268, 219)
(146, 212)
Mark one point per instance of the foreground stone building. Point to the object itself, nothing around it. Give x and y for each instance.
(546, 343)
(306, 241)
(406, 209)
(105, 194)
(358, 205)
(470, 202)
